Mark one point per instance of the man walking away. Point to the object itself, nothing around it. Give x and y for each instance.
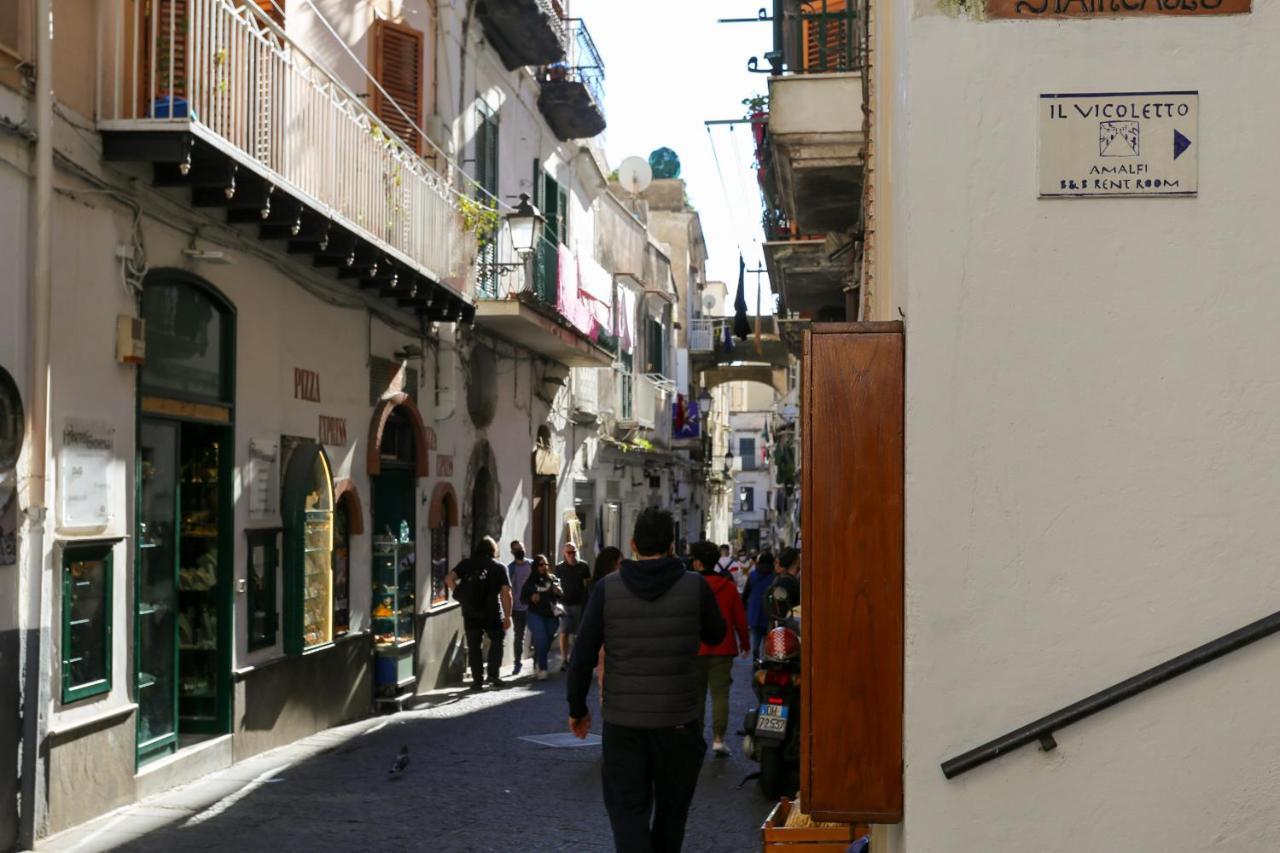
(786, 584)
(753, 594)
(715, 662)
(481, 585)
(650, 616)
(518, 571)
(573, 580)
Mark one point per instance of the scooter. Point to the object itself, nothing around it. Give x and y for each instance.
(771, 729)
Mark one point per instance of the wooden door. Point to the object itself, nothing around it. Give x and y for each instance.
(852, 572)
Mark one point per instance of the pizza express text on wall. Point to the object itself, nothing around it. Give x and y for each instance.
(1112, 8)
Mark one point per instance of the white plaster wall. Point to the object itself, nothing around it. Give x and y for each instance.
(1093, 430)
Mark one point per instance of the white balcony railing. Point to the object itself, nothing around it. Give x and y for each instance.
(646, 401)
(586, 390)
(227, 73)
(702, 335)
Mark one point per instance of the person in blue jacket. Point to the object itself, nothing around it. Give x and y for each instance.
(753, 596)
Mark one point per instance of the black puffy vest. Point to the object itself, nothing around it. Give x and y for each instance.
(651, 654)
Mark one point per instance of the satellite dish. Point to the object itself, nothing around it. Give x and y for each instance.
(708, 301)
(635, 175)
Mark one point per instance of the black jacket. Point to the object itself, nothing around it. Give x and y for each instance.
(548, 588)
(650, 617)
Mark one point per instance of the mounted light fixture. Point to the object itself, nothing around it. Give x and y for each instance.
(526, 223)
(704, 401)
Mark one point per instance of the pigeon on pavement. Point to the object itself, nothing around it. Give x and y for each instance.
(402, 761)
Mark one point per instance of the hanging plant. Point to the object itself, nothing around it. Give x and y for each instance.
(480, 219)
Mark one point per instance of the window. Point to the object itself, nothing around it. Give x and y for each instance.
(747, 499)
(308, 519)
(486, 150)
(86, 620)
(264, 564)
(747, 450)
(398, 68)
(189, 343)
(656, 347)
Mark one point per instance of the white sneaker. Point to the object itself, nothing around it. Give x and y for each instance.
(720, 748)
(542, 675)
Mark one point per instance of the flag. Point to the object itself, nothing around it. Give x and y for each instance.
(741, 327)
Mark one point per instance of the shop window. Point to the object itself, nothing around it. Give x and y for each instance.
(342, 525)
(309, 543)
(264, 565)
(440, 554)
(188, 340)
(86, 620)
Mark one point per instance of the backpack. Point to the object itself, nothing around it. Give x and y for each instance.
(472, 587)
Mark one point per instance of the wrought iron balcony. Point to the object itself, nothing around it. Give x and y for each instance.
(217, 98)
(524, 32)
(572, 94)
(520, 299)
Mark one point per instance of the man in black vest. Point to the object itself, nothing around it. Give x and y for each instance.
(650, 617)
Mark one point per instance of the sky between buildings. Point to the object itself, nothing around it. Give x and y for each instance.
(669, 68)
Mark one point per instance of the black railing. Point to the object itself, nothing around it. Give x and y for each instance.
(1042, 730)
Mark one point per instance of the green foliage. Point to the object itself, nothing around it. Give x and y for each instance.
(479, 218)
(756, 105)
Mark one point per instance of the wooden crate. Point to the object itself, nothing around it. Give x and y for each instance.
(777, 838)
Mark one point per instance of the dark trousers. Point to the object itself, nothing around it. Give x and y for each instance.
(475, 649)
(519, 619)
(649, 779)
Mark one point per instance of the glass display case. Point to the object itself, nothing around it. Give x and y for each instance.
(308, 524)
(393, 615)
(197, 585)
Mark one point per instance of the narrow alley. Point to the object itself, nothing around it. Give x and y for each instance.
(474, 783)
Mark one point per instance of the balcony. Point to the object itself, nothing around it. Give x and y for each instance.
(215, 98)
(702, 336)
(572, 94)
(529, 304)
(810, 282)
(524, 32)
(815, 123)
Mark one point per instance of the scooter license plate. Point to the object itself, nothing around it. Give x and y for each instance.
(772, 721)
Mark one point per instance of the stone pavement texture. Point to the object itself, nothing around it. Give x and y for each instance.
(471, 785)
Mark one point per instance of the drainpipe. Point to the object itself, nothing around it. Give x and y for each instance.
(36, 627)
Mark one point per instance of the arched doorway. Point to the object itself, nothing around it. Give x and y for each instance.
(484, 506)
(183, 570)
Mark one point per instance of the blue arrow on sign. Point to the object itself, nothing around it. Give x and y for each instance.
(1180, 144)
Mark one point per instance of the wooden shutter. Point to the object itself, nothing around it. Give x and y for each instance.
(271, 10)
(828, 36)
(398, 67)
(852, 593)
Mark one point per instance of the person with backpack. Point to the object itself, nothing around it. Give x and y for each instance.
(481, 585)
(541, 593)
(715, 662)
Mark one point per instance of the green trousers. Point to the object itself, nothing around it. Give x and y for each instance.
(716, 672)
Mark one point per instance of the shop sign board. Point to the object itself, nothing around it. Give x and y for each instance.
(1119, 144)
(333, 431)
(1038, 9)
(84, 474)
(263, 476)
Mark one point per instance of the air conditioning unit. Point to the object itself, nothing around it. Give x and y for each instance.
(131, 339)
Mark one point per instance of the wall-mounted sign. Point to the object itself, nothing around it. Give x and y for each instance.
(84, 475)
(1033, 9)
(333, 431)
(1119, 144)
(306, 385)
(444, 465)
(263, 477)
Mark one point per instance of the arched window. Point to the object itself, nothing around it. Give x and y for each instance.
(309, 545)
(189, 343)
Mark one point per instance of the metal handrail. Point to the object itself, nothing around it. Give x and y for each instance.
(1043, 729)
(582, 60)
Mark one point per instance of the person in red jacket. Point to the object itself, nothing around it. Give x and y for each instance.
(715, 663)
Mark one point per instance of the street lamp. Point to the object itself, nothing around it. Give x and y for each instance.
(728, 462)
(526, 223)
(704, 401)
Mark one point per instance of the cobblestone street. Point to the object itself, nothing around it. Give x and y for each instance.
(471, 785)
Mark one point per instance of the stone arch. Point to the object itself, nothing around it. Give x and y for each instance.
(422, 444)
(345, 494)
(444, 506)
(482, 512)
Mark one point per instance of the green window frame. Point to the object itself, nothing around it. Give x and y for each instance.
(86, 620)
(261, 572)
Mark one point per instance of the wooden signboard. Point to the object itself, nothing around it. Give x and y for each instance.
(852, 573)
(1113, 8)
